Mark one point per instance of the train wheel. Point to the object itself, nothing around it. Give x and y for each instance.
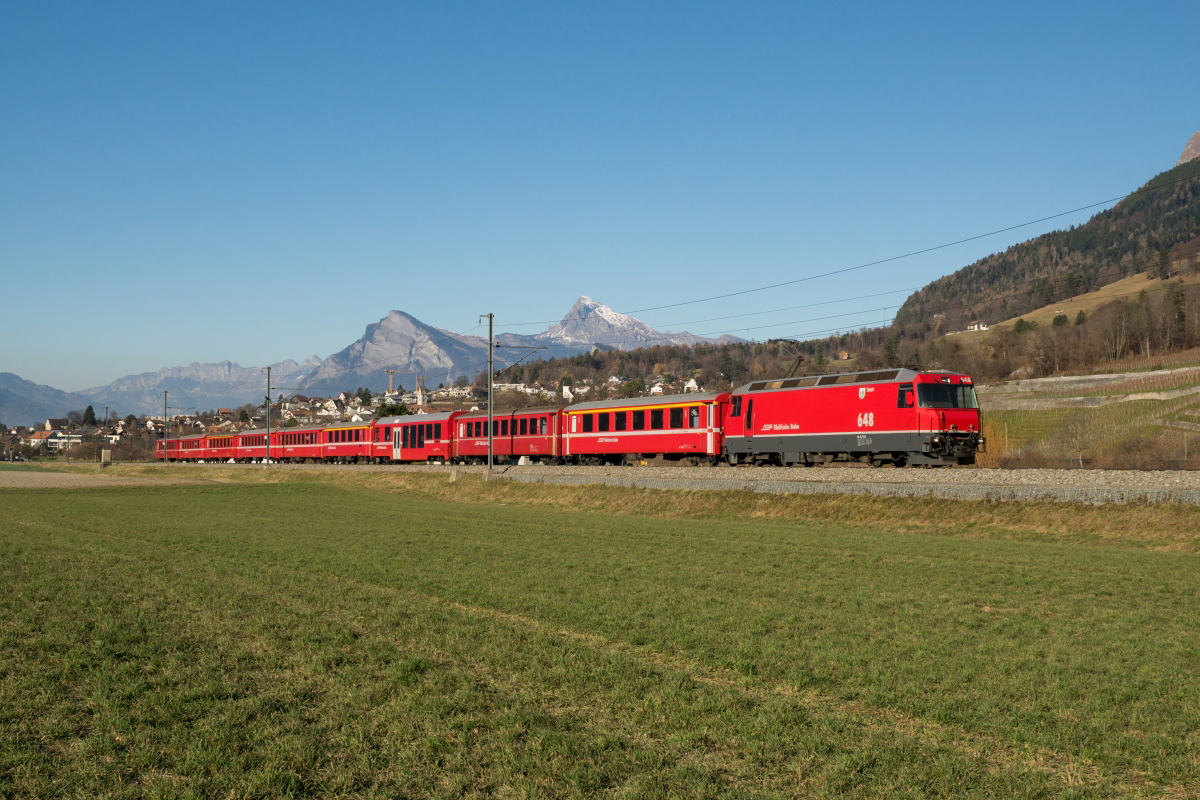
(899, 461)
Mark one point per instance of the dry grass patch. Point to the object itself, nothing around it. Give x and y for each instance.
(1159, 526)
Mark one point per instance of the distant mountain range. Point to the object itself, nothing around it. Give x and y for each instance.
(23, 402)
(399, 342)
(199, 386)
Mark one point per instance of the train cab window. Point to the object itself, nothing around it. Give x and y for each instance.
(524, 426)
(588, 423)
(543, 425)
(736, 411)
(694, 417)
(604, 422)
(621, 420)
(639, 420)
(656, 419)
(904, 398)
(437, 430)
(676, 417)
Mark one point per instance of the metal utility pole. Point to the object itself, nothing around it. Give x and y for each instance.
(491, 375)
(166, 428)
(268, 461)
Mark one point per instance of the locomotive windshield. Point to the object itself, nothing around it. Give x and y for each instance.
(944, 395)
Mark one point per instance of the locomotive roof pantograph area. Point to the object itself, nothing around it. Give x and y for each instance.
(900, 375)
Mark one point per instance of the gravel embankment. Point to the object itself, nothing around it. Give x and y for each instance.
(1083, 486)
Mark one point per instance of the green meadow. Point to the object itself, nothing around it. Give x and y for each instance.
(321, 638)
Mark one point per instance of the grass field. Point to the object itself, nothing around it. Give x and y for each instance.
(306, 636)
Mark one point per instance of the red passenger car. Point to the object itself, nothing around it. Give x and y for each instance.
(185, 448)
(530, 432)
(348, 442)
(422, 437)
(617, 431)
(897, 415)
(220, 446)
(297, 444)
(252, 445)
(537, 434)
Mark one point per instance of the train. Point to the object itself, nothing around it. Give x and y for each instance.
(898, 416)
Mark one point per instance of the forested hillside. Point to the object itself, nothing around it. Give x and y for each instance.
(1135, 235)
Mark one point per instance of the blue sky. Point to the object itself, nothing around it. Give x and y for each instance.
(261, 181)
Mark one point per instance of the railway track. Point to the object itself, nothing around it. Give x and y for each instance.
(1078, 486)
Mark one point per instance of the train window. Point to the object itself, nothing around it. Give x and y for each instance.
(504, 427)
(543, 419)
(676, 417)
(938, 395)
(420, 436)
(428, 430)
(656, 419)
(736, 411)
(904, 398)
(639, 420)
(588, 422)
(604, 422)
(694, 417)
(622, 419)
(437, 431)
(524, 426)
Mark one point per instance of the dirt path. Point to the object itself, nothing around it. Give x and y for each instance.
(46, 479)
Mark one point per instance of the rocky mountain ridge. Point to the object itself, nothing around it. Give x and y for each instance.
(399, 341)
(1191, 150)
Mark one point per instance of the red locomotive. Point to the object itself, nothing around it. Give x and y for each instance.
(896, 416)
(899, 416)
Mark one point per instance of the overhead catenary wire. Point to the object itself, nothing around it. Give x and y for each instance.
(452, 335)
(902, 256)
